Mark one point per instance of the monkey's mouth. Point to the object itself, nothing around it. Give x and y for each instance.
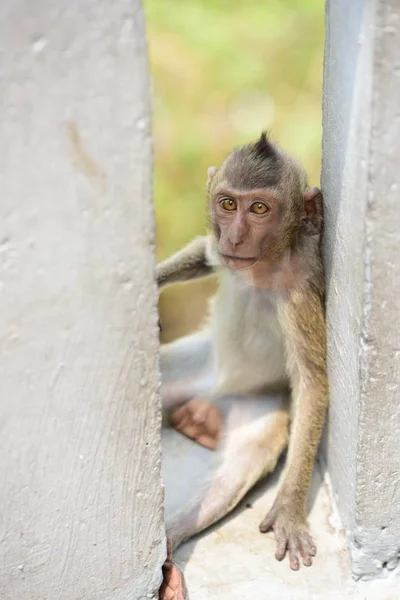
(238, 262)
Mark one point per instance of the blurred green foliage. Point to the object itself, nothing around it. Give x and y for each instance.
(222, 71)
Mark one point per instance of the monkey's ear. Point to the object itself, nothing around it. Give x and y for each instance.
(311, 219)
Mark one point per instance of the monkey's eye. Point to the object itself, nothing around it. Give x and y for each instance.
(259, 208)
(228, 204)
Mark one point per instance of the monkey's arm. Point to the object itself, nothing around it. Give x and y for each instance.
(302, 317)
(191, 262)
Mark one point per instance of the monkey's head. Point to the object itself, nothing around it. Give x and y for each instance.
(260, 205)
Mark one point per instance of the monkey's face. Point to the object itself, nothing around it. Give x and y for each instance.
(247, 226)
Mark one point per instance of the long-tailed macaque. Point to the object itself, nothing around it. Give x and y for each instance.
(266, 336)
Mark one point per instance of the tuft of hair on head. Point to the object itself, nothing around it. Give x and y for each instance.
(255, 165)
(264, 147)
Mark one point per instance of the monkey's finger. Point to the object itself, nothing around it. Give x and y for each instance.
(207, 441)
(313, 549)
(184, 425)
(307, 550)
(307, 561)
(181, 418)
(306, 557)
(199, 415)
(267, 523)
(179, 422)
(204, 412)
(177, 415)
(190, 430)
(281, 549)
(293, 553)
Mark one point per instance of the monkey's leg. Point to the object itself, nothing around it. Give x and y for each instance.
(255, 433)
(186, 368)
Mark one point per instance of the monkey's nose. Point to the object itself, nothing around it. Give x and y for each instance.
(235, 243)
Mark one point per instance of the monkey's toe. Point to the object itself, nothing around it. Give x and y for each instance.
(307, 548)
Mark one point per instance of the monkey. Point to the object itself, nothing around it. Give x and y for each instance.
(266, 333)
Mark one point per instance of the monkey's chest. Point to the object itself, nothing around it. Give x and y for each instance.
(249, 349)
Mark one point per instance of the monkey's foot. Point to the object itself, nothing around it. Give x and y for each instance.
(173, 586)
(292, 535)
(200, 421)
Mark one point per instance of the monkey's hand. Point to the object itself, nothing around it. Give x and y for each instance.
(199, 420)
(291, 533)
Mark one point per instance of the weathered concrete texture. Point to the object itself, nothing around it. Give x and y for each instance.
(81, 499)
(361, 179)
(234, 560)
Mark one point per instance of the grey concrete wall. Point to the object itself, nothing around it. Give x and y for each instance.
(361, 179)
(81, 499)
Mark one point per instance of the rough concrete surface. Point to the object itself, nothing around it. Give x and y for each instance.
(361, 182)
(80, 493)
(233, 560)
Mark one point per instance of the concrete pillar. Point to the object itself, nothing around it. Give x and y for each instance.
(81, 498)
(361, 179)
